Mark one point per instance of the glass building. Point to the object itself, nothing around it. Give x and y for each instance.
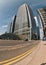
(25, 25)
(42, 16)
(11, 25)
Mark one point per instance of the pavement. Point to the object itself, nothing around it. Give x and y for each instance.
(37, 57)
(40, 55)
(10, 50)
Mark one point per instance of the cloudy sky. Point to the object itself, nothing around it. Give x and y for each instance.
(9, 8)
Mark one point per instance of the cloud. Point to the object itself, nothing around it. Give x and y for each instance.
(3, 29)
(4, 26)
(5, 2)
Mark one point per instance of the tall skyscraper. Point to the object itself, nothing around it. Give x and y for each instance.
(11, 25)
(42, 14)
(25, 25)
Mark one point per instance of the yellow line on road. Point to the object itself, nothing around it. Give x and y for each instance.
(15, 59)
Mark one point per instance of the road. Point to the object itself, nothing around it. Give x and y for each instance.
(40, 55)
(11, 48)
(37, 57)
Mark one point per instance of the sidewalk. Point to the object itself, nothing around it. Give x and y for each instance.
(38, 57)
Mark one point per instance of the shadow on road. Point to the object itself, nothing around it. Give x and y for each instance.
(43, 64)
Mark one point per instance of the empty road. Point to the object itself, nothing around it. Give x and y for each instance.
(10, 49)
(37, 57)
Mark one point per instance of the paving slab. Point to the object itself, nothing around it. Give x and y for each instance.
(37, 57)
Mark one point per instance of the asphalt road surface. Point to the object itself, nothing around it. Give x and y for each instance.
(11, 48)
(37, 57)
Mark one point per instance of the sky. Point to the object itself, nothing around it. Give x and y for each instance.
(9, 8)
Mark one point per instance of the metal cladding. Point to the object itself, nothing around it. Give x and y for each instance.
(42, 13)
(11, 25)
(14, 19)
(25, 25)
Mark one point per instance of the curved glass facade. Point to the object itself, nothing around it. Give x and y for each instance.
(25, 24)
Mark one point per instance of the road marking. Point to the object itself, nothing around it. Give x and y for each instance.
(15, 59)
(12, 48)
